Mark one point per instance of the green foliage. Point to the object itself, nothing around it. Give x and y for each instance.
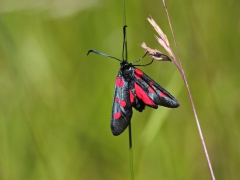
(55, 102)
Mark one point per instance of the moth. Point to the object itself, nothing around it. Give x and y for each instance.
(135, 89)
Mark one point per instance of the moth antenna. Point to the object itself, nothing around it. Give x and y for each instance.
(102, 54)
(124, 49)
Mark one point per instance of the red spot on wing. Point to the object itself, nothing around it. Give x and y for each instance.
(116, 99)
(131, 96)
(141, 94)
(138, 73)
(117, 115)
(163, 94)
(151, 83)
(119, 82)
(151, 90)
(123, 103)
(137, 76)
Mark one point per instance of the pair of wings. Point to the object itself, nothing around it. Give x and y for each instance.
(139, 92)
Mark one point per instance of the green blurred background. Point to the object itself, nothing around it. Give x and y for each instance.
(55, 102)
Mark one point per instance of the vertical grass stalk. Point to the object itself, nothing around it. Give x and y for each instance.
(181, 69)
(125, 57)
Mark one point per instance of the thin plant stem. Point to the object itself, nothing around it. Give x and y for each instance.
(181, 69)
(131, 151)
(125, 57)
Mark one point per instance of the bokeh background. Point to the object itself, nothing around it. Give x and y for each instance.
(55, 102)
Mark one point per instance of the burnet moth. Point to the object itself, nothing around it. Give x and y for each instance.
(133, 88)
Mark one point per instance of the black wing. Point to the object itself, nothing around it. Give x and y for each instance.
(122, 107)
(151, 93)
